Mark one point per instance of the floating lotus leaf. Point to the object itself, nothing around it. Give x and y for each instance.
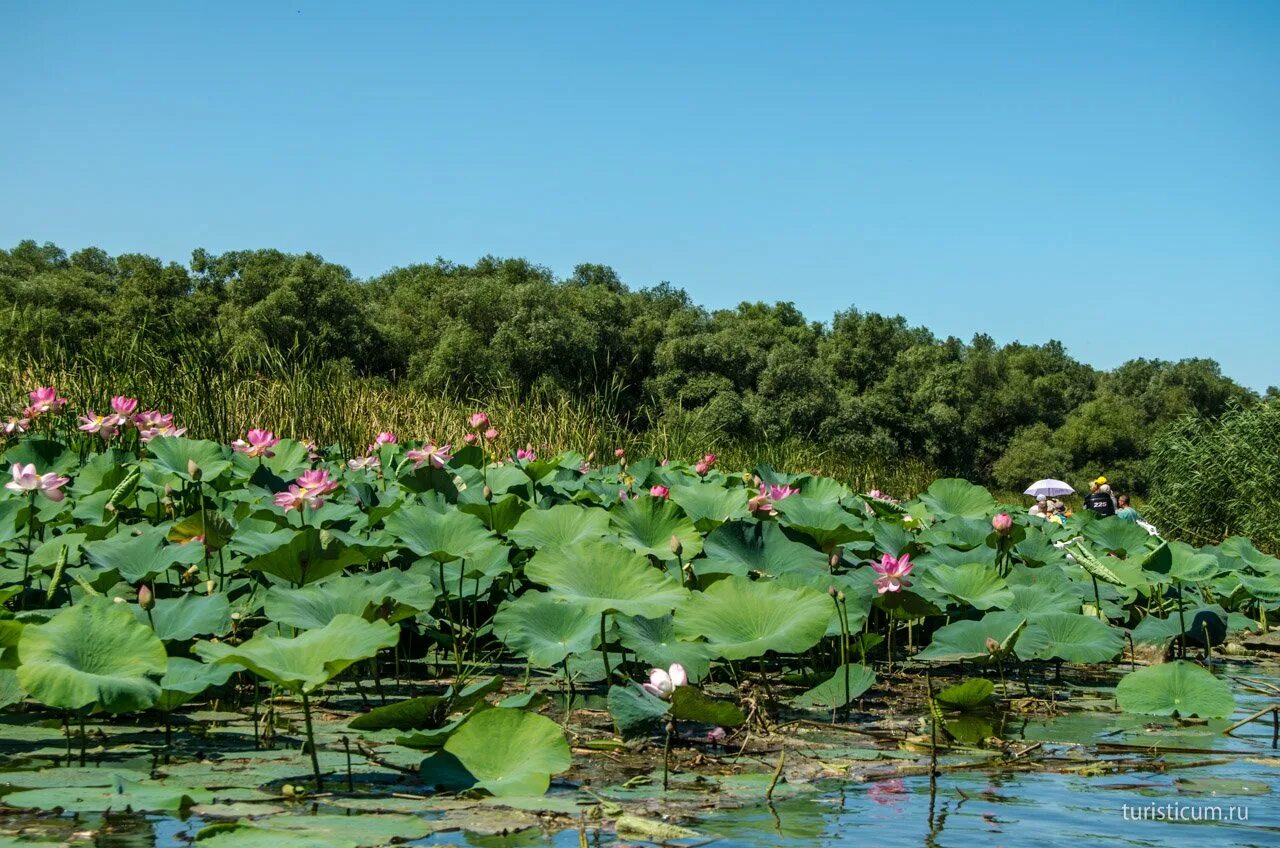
(327, 829)
(689, 703)
(646, 525)
(306, 662)
(558, 526)
(1069, 636)
(973, 692)
(510, 752)
(601, 577)
(92, 654)
(184, 679)
(544, 629)
(121, 796)
(953, 496)
(741, 618)
(1178, 688)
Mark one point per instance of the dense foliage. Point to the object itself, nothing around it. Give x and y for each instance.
(865, 384)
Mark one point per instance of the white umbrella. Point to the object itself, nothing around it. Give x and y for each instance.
(1049, 488)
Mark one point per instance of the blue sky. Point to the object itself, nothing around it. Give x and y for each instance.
(1107, 174)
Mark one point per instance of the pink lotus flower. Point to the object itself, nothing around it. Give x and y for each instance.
(478, 420)
(885, 791)
(313, 450)
(123, 406)
(664, 683)
(705, 464)
(308, 490)
(584, 468)
(877, 494)
(429, 453)
(25, 479)
(526, 454)
(1002, 523)
(386, 437)
(257, 443)
(769, 495)
(45, 399)
(363, 463)
(491, 434)
(469, 438)
(16, 425)
(893, 573)
(716, 735)
(659, 492)
(154, 424)
(104, 425)
(620, 453)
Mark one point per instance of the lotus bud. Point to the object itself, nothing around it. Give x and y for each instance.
(193, 469)
(840, 597)
(487, 492)
(118, 600)
(210, 587)
(591, 457)
(677, 547)
(1002, 523)
(993, 647)
(146, 600)
(235, 616)
(470, 438)
(620, 453)
(832, 590)
(491, 433)
(671, 727)
(835, 559)
(191, 571)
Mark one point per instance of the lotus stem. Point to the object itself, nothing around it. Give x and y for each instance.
(666, 755)
(1097, 597)
(1182, 624)
(604, 649)
(311, 741)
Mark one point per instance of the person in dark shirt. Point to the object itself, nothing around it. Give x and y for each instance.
(1100, 500)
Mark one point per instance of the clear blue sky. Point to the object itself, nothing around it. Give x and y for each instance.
(1107, 174)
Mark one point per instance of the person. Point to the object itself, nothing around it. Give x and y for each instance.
(1039, 509)
(1052, 514)
(1098, 501)
(1126, 510)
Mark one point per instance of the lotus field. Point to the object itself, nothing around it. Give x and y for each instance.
(446, 623)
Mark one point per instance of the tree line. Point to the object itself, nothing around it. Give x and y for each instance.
(864, 383)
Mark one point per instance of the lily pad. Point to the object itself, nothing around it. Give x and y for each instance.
(510, 752)
(1178, 688)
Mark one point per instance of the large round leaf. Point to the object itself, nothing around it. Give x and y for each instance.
(709, 505)
(1117, 536)
(174, 455)
(654, 641)
(187, 616)
(185, 679)
(308, 556)
(953, 496)
(560, 525)
(1177, 688)
(442, 536)
(647, 525)
(603, 577)
(740, 547)
(141, 557)
(92, 654)
(544, 629)
(974, 584)
(510, 752)
(741, 618)
(967, 640)
(305, 663)
(825, 522)
(1069, 636)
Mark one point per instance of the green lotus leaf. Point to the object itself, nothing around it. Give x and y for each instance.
(974, 584)
(442, 536)
(973, 692)
(92, 654)
(1199, 622)
(306, 662)
(708, 505)
(558, 526)
(330, 829)
(368, 596)
(1189, 565)
(953, 496)
(835, 692)
(187, 616)
(689, 703)
(635, 711)
(45, 454)
(1178, 688)
(654, 641)
(601, 577)
(309, 556)
(647, 525)
(1069, 636)
(500, 514)
(544, 629)
(959, 532)
(510, 752)
(741, 618)
(825, 522)
(1117, 536)
(184, 679)
(143, 556)
(967, 640)
(121, 796)
(174, 454)
(740, 547)
(1038, 549)
(1031, 600)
